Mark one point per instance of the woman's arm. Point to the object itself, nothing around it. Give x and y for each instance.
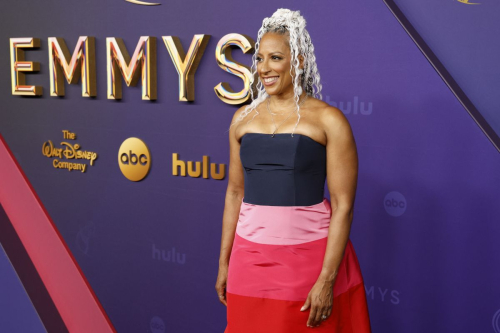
(234, 195)
(342, 175)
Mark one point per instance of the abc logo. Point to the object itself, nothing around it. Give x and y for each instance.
(134, 159)
(395, 203)
(157, 325)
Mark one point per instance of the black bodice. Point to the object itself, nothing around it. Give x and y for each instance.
(283, 170)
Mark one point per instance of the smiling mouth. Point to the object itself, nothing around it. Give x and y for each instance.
(270, 80)
(138, 2)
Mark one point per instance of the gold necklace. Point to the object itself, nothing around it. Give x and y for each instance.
(276, 128)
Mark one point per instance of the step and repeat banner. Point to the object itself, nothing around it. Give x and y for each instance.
(117, 114)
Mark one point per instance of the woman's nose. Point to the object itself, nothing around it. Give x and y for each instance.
(264, 68)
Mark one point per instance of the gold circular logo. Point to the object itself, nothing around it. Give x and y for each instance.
(134, 159)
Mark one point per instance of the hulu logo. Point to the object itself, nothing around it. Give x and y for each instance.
(168, 255)
(197, 169)
(352, 107)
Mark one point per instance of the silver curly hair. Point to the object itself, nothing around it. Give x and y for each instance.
(283, 22)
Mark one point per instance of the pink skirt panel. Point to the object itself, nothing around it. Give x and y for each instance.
(284, 225)
(285, 272)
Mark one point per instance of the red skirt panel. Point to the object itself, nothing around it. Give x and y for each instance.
(269, 283)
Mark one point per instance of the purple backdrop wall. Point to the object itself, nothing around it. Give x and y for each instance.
(426, 214)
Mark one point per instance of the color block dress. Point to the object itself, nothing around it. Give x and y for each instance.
(280, 242)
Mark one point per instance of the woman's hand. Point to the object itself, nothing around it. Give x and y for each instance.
(320, 298)
(220, 285)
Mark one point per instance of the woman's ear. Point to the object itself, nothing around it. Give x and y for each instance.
(301, 61)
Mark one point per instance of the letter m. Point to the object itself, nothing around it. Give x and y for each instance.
(61, 65)
(143, 60)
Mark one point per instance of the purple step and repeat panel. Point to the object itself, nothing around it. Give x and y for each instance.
(18, 313)
(426, 225)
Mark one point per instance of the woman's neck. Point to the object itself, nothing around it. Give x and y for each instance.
(284, 101)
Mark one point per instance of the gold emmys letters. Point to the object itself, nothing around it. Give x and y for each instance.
(186, 64)
(118, 61)
(119, 64)
(61, 64)
(18, 66)
(226, 62)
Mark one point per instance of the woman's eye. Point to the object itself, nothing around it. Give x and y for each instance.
(259, 59)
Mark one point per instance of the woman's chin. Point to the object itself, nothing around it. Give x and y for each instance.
(271, 90)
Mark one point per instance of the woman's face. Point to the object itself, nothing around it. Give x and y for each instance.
(273, 64)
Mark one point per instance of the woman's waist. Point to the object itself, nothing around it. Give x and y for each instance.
(271, 224)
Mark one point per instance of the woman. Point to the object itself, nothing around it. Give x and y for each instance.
(286, 261)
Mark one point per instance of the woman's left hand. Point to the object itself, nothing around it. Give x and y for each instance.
(320, 298)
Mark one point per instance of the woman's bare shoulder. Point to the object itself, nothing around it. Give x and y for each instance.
(329, 116)
(239, 111)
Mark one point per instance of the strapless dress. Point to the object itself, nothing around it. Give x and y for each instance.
(280, 242)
